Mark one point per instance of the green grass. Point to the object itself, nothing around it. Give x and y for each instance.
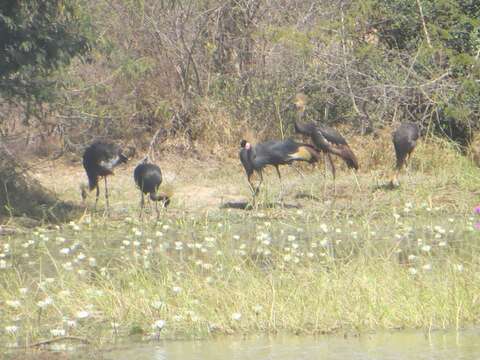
(366, 260)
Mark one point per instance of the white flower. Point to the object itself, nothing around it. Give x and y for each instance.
(82, 314)
(176, 289)
(411, 257)
(13, 303)
(177, 318)
(439, 229)
(287, 257)
(291, 237)
(412, 270)
(57, 332)
(157, 304)
(236, 237)
(158, 234)
(92, 262)
(11, 330)
(458, 267)
(209, 239)
(427, 267)
(324, 242)
(65, 251)
(23, 291)
(257, 309)
(158, 325)
(71, 323)
(44, 303)
(324, 227)
(236, 316)
(426, 248)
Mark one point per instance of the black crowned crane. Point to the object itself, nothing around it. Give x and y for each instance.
(148, 178)
(325, 138)
(404, 140)
(99, 160)
(275, 153)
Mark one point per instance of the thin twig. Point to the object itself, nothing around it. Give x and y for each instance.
(427, 36)
(57, 339)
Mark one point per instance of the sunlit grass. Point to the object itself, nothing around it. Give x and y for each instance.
(365, 260)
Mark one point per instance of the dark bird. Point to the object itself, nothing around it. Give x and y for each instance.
(148, 178)
(99, 160)
(404, 140)
(275, 153)
(326, 139)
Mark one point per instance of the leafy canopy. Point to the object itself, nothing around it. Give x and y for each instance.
(37, 37)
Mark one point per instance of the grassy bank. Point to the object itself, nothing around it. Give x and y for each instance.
(365, 260)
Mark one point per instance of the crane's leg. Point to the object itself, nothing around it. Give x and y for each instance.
(325, 174)
(106, 195)
(97, 196)
(260, 173)
(142, 204)
(356, 180)
(407, 163)
(332, 165)
(149, 205)
(250, 184)
(281, 182)
(156, 209)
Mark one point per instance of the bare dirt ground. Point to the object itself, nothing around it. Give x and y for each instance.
(201, 185)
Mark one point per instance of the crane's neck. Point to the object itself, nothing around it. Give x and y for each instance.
(300, 127)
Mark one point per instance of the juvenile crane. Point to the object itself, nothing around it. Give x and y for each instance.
(275, 153)
(326, 139)
(99, 160)
(404, 140)
(148, 178)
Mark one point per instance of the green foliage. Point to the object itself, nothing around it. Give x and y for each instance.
(37, 37)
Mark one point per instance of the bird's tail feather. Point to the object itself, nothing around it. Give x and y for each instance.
(92, 181)
(348, 156)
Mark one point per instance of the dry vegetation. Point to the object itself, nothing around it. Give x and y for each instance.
(311, 263)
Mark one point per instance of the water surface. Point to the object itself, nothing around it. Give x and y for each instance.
(388, 346)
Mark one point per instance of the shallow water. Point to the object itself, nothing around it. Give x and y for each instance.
(387, 346)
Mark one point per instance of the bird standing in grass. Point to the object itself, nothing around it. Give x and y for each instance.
(404, 140)
(99, 160)
(148, 178)
(325, 138)
(275, 153)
